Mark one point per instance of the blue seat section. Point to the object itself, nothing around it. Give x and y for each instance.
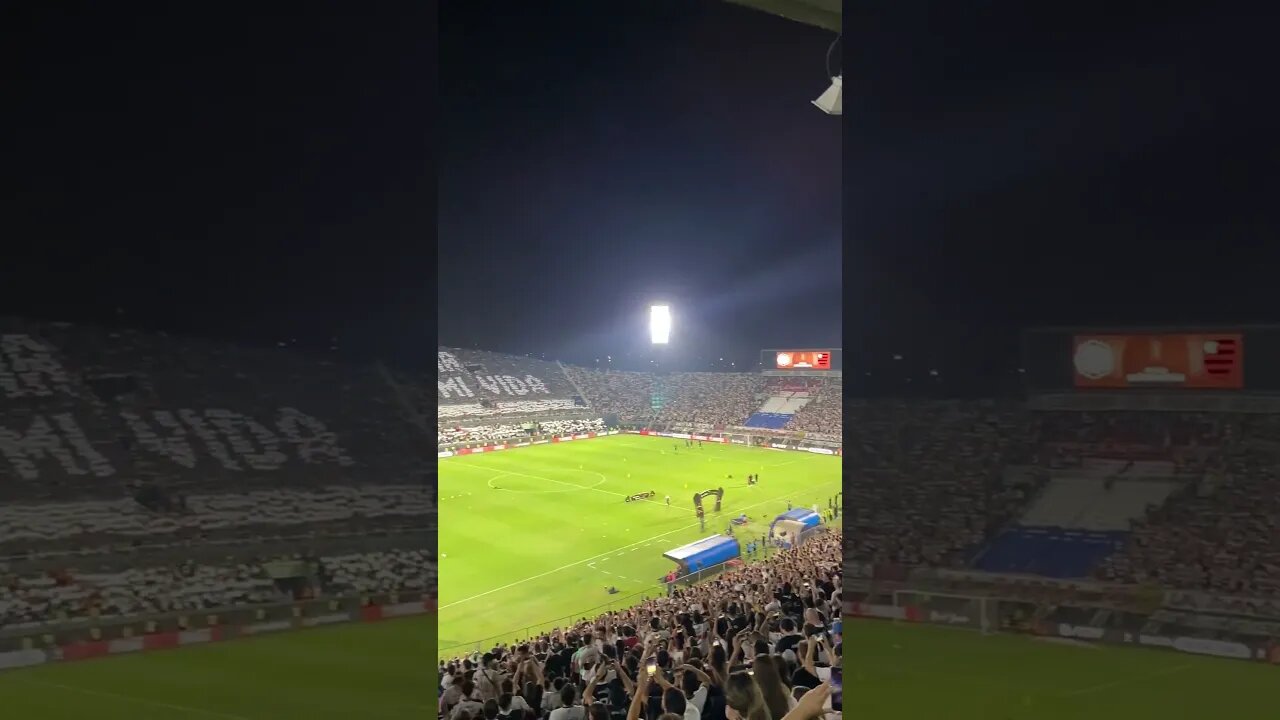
(770, 421)
(1050, 551)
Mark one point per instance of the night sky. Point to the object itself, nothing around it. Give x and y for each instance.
(244, 171)
(263, 178)
(617, 154)
(1098, 164)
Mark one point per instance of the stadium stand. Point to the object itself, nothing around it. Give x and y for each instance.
(1184, 501)
(824, 413)
(478, 384)
(503, 433)
(141, 473)
(701, 638)
(625, 394)
(768, 420)
(709, 400)
(48, 598)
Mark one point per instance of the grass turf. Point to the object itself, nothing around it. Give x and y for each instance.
(379, 671)
(530, 538)
(898, 670)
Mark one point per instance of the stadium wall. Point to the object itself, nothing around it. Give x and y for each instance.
(463, 449)
(167, 632)
(973, 617)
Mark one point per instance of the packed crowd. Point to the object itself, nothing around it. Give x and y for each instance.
(505, 432)
(1222, 533)
(509, 408)
(824, 414)
(929, 484)
(924, 483)
(51, 597)
(758, 643)
(709, 399)
(124, 451)
(208, 513)
(626, 394)
(482, 384)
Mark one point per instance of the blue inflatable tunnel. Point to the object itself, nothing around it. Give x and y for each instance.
(793, 527)
(703, 555)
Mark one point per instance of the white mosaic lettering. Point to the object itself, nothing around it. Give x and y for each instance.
(514, 385)
(454, 384)
(98, 463)
(314, 443)
(172, 444)
(230, 424)
(28, 368)
(447, 363)
(209, 437)
(41, 441)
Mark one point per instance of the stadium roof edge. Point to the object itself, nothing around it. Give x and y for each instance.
(826, 14)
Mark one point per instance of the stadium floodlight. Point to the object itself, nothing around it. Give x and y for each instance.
(831, 102)
(659, 324)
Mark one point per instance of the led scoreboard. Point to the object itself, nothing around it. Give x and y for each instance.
(802, 359)
(1183, 360)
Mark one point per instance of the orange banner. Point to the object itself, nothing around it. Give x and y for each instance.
(1203, 360)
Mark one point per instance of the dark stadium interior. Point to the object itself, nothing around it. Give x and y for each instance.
(1067, 413)
(212, 238)
(1041, 245)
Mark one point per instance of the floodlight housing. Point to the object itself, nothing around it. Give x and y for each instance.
(659, 324)
(831, 102)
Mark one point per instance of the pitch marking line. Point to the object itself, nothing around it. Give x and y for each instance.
(136, 700)
(598, 557)
(1125, 681)
(595, 487)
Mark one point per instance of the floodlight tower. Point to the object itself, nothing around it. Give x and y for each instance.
(659, 338)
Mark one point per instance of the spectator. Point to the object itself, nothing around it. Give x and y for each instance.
(697, 637)
(744, 700)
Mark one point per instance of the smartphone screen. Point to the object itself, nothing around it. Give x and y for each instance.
(837, 688)
(651, 667)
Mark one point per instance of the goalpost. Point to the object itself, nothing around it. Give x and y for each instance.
(973, 611)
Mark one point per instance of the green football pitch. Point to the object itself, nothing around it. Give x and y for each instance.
(530, 538)
(898, 670)
(380, 671)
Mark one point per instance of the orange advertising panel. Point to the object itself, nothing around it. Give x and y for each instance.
(803, 360)
(1201, 360)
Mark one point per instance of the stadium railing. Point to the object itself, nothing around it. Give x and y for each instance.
(617, 603)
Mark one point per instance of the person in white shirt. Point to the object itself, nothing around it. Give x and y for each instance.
(469, 703)
(568, 710)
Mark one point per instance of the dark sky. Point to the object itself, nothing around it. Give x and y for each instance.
(619, 153)
(1012, 164)
(246, 171)
(262, 175)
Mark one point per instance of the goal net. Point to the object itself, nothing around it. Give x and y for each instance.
(970, 611)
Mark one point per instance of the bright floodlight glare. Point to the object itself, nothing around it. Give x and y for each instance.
(659, 324)
(831, 102)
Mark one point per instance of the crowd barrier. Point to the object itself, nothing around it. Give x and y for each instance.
(762, 440)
